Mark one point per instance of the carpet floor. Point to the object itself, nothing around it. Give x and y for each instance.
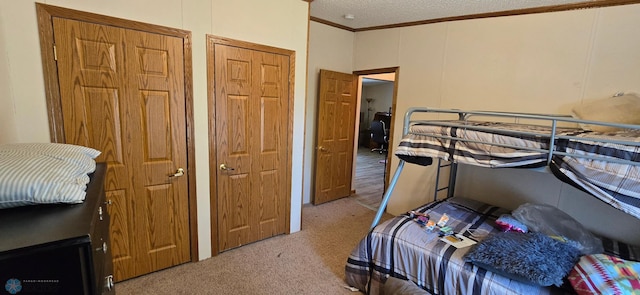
(310, 261)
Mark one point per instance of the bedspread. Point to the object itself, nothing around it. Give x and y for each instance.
(401, 248)
(614, 183)
(494, 145)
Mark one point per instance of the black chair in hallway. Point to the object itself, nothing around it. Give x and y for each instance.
(379, 136)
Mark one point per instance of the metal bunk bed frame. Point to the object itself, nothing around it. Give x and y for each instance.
(550, 120)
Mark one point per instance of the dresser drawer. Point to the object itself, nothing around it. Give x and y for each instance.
(102, 252)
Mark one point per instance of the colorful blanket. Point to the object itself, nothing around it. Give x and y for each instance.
(604, 274)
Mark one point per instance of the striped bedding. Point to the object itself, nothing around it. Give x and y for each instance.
(400, 248)
(420, 142)
(615, 184)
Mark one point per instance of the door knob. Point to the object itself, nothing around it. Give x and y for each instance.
(224, 167)
(178, 173)
(323, 149)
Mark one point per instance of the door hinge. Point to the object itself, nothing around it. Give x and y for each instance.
(55, 53)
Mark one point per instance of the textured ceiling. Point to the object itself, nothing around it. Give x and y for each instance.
(372, 13)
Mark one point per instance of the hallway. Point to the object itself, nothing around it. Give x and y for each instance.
(369, 178)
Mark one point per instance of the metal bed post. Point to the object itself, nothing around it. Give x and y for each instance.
(453, 172)
(437, 189)
(552, 141)
(396, 175)
(387, 194)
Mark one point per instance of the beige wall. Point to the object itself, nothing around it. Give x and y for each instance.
(330, 49)
(531, 63)
(280, 23)
(8, 131)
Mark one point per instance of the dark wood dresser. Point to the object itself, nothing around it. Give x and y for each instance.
(58, 249)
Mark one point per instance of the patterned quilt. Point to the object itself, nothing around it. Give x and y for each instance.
(402, 248)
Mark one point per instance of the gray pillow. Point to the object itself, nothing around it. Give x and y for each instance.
(532, 258)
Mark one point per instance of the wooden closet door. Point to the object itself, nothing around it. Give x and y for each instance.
(252, 116)
(123, 93)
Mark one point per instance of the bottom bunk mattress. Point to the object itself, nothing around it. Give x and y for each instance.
(402, 248)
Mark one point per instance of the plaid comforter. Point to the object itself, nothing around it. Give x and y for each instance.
(401, 248)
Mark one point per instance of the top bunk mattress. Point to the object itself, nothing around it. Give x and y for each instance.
(588, 161)
(606, 165)
(486, 144)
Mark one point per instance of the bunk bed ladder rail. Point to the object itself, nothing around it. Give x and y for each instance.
(450, 187)
(392, 184)
(453, 169)
(394, 180)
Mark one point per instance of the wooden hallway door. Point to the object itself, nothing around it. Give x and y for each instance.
(335, 124)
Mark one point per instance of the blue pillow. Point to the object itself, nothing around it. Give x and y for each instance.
(532, 258)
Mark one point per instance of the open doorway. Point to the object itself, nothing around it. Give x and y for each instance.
(377, 96)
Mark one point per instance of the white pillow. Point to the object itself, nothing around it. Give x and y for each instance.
(624, 109)
(42, 173)
(81, 156)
